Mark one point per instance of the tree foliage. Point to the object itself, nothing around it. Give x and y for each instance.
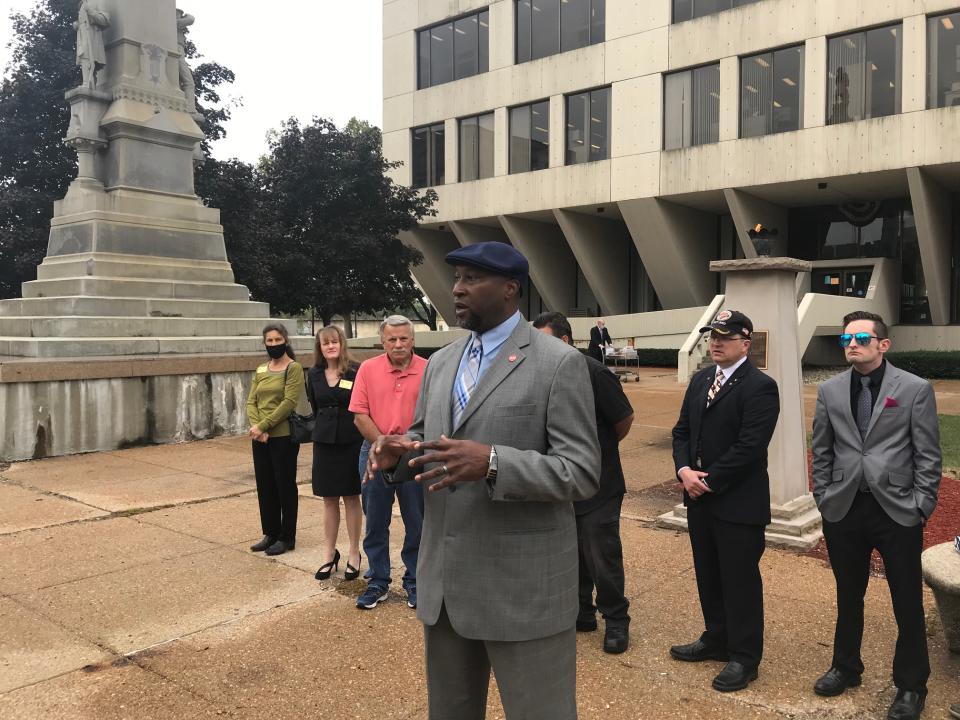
(35, 166)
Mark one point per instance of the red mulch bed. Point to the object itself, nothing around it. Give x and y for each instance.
(943, 525)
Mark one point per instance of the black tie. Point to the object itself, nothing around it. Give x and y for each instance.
(864, 406)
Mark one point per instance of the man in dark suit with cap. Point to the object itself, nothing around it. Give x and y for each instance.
(506, 419)
(720, 443)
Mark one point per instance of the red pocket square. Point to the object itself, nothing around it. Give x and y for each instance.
(890, 402)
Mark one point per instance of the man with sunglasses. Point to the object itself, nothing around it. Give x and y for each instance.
(876, 473)
(720, 444)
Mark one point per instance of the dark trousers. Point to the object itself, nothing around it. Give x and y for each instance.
(601, 563)
(726, 558)
(850, 543)
(275, 466)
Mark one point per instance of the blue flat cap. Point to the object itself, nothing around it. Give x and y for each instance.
(495, 257)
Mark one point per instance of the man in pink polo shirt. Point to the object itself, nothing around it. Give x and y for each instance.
(383, 400)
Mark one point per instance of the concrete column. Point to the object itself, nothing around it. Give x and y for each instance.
(675, 243)
(765, 289)
(557, 134)
(473, 233)
(748, 210)
(597, 245)
(932, 211)
(433, 274)
(815, 82)
(913, 86)
(553, 267)
(729, 98)
(502, 20)
(451, 151)
(501, 142)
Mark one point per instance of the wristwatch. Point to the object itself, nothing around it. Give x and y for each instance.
(492, 467)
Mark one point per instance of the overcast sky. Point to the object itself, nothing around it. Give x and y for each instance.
(291, 58)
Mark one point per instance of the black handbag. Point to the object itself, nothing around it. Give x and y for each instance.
(301, 426)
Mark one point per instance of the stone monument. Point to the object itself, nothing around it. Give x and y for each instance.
(765, 289)
(136, 265)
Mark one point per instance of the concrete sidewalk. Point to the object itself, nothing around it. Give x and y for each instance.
(127, 591)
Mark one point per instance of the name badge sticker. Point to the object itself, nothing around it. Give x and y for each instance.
(346, 384)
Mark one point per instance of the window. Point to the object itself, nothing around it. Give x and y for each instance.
(863, 75)
(690, 9)
(476, 147)
(943, 64)
(588, 126)
(771, 92)
(453, 50)
(547, 27)
(691, 107)
(427, 156)
(530, 137)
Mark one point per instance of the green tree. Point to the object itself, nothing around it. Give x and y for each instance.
(330, 221)
(35, 166)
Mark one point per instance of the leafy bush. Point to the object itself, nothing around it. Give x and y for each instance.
(928, 364)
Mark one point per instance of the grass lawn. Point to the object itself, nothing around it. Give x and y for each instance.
(950, 440)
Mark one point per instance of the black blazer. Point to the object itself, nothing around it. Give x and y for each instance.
(597, 338)
(334, 421)
(730, 438)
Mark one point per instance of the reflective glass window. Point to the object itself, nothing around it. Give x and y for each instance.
(484, 39)
(864, 75)
(600, 124)
(677, 125)
(706, 104)
(453, 50)
(466, 43)
(771, 92)
(883, 72)
(423, 59)
(598, 21)
(520, 139)
(574, 24)
(691, 109)
(476, 147)
(578, 128)
(441, 54)
(690, 9)
(426, 157)
(545, 28)
(524, 23)
(530, 137)
(943, 62)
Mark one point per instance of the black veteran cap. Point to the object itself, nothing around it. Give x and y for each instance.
(495, 257)
(730, 322)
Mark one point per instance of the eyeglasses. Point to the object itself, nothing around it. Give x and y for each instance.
(723, 338)
(860, 338)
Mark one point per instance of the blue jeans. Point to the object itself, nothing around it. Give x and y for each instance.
(377, 499)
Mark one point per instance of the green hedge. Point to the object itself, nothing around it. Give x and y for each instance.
(928, 364)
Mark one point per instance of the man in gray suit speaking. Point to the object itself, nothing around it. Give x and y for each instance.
(876, 472)
(506, 419)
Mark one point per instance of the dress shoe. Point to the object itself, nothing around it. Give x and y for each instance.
(616, 639)
(586, 623)
(697, 651)
(352, 573)
(834, 682)
(955, 711)
(263, 544)
(907, 705)
(279, 548)
(734, 676)
(327, 568)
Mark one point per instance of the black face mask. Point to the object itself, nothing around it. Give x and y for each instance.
(277, 351)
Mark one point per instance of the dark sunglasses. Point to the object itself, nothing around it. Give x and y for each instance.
(860, 338)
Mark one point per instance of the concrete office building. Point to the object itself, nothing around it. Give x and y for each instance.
(623, 144)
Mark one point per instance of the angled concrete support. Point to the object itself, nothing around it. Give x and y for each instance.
(598, 244)
(676, 244)
(749, 210)
(472, 233)
(433, 274)
(933, 214)
(553, 267)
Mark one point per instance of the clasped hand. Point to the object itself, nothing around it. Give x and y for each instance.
(257, 434)
(457, 460)
(693, 482)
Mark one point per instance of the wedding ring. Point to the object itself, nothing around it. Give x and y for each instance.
(445, 470)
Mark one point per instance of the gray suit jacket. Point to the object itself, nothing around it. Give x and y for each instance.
(899, 456)
(504, 559)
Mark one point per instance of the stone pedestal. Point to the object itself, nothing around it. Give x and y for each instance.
(941, 571)
(765, 289)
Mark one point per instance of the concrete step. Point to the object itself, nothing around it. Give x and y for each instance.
(130, 327)
(132, 307)
(67, 347)
(133, 266)
(137, 288)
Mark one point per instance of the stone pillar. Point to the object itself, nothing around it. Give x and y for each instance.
(553, 268)
(747, 211)
(433, 274)
(765, 290)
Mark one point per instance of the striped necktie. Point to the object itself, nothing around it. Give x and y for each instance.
(715, 388)
(467, 382)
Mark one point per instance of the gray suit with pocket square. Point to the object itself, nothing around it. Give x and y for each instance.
(498, 566)
(876, 490)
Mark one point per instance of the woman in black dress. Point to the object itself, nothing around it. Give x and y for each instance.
(336, 448)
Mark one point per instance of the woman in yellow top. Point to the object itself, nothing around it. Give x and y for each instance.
(274, 394)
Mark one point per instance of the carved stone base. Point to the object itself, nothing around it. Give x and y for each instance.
(796, 525)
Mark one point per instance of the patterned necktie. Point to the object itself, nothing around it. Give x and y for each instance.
(864, 405)
(467, 381)
(715, 388)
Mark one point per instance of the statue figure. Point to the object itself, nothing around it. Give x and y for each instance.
(91, 55)
(185, 20)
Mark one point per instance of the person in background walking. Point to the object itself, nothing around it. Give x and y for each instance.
(274, 394)
(336, 448)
